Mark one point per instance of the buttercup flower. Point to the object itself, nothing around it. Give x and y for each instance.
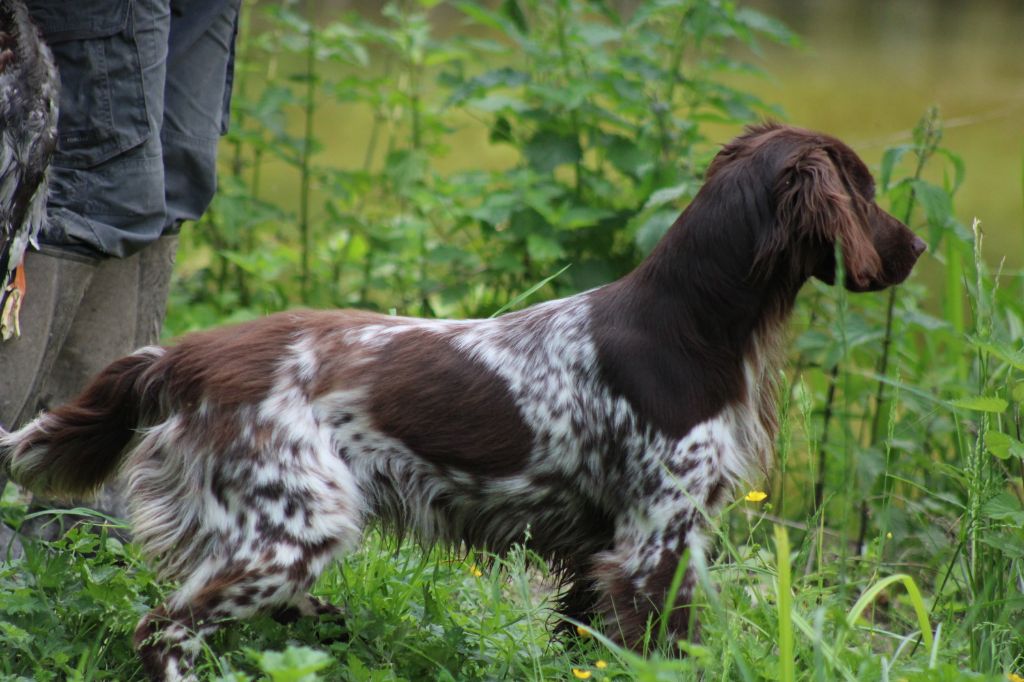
(756, 496)
(581, 674)
(1014, 677)
(474, 571)
(601, 664)
(583, 632)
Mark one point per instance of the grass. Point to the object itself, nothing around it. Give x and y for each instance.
(69, 608)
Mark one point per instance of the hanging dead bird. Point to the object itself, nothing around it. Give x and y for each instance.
(28, 134)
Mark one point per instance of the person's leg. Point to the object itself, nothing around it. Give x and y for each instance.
(107, 185)
(199, 75)
(56, 287)
(122, 309)
(188, 49)
(106, 201)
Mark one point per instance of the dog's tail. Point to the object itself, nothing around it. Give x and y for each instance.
(72, 450)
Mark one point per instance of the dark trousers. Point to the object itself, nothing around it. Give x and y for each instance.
(145, 87)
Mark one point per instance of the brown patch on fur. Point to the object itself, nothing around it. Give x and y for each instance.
(240, 364)
(233, 365)
(451, 410)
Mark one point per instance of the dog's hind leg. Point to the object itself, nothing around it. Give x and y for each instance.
(256, 538)
(168, 637)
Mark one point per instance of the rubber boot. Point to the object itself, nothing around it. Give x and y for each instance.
(54, 287)
(121, 310)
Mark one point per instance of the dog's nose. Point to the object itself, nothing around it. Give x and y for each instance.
(919, 246)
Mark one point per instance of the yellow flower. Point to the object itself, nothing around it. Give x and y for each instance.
(581, 674)
(756, 496)
(1014, 677)
(474, 571)
(601, 664)
(583, 632)
(888, 536)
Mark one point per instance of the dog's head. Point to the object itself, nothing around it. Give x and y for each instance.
(820, 194)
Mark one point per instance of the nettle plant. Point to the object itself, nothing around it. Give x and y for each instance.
(597, 112)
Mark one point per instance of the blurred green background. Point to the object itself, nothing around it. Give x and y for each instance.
(865, 72)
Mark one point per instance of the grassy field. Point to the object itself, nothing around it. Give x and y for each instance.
(888, 543)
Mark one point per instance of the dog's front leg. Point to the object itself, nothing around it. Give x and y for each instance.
(635, 579)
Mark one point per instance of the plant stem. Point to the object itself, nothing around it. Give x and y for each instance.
(563, 48)
(307, 150)
(819, 485)
(925, 149)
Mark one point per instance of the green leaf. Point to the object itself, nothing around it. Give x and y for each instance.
(501, 131)
(512, 10)
(981, 403)
(543, 249)
(548, 149)
(576, 217)
(890, 159)
(1018, 392)
(529, 292)
(1001, 351)
(569, 96)
(528, 221)
(668, 194)
(959, 170)
(626, 155)
(406, 167)
(998, 443)
(1004, 507)
(497, 102)
(596, 35)
(915, 600)
(767, 25)
(12, 633)
(653, 228)
(784, 601)
(485, 83)
(1003, 445)
(488, 18)
(294, 664)
(937, 203)
(1009, 544)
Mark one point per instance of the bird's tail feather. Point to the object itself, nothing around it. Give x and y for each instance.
(28, 136)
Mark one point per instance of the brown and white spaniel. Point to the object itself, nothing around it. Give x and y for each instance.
(601, 428)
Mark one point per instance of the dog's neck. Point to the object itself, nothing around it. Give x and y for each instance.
(690, 332)
(704, 275)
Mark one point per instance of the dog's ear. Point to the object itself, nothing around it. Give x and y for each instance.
(813, 203)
